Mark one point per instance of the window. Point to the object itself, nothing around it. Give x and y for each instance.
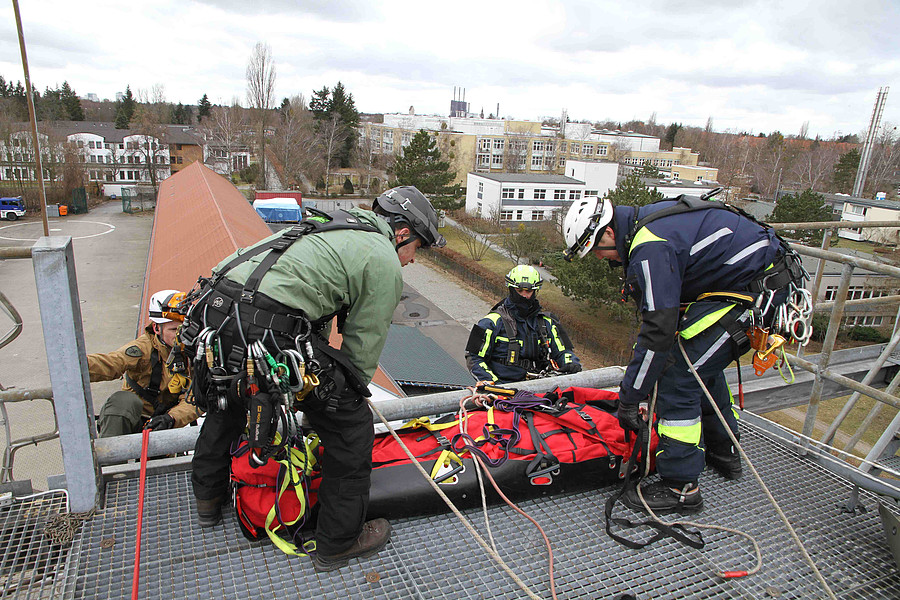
(576, 147)
(171, 160)
(388, 146)
(484, 145)
(405, 138)
(550, 146)
(507, 193)
(521, 193)
(388, 136)
(519, 214)
(506, 215)
(561, 163)
(602, 150)
(522, 160)
(537, 215)
(108, 146)
(537, 146)
(563, 146)
(537, 162)
(590, 193)
(480, 190)
(853, 209)
(180, 160)
(588, 149)
(574, 194)
(91, 145)
(498, 145)
(559, 194)
(484, 160)
(540, 194)
(497, 160)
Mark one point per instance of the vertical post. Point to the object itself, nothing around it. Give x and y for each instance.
(57, 290)
(834, 325)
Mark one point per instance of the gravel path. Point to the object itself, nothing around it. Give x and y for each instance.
(460, 304)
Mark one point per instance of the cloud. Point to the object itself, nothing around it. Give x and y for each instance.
(339, 11)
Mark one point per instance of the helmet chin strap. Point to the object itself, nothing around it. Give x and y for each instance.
(408, 240)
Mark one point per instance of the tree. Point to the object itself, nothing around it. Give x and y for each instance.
(325, 104)
(523, 244)
(422, 166)
(671, 132)
(203, 108)
(149, 124)
(261, 96)
(125, 111)
(807, 207)
(593, 280)
(331, 138)
(70, 100)
(295, 144)
(845, 171)
(647, 171)
(224, 130)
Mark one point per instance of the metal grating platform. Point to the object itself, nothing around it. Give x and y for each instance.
(434, 557)
(31, 566)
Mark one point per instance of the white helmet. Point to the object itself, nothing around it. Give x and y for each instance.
(162, 306)
(586, 220)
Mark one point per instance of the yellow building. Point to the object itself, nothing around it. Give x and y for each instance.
(694, 173)
(506, 146)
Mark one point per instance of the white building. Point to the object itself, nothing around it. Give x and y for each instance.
(671, 188)
(863, 210)
(535, 196)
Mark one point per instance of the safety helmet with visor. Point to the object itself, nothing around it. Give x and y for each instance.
(524, 277)
(163, 306)
(406, 204)
(584, 224)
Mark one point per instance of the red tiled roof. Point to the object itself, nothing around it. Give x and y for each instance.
(200, 219)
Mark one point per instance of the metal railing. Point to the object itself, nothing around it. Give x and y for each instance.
(83, 452)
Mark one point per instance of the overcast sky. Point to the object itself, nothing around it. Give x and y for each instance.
(754, 66)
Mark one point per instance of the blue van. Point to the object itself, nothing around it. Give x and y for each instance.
(11, 208)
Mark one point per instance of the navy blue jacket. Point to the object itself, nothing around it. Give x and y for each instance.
(486, 354)
(672, 261)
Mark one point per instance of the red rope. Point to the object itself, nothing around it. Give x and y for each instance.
(145, 441)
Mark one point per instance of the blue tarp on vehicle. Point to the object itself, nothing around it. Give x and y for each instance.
(278, 210)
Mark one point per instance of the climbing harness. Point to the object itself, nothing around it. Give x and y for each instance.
(268, 361)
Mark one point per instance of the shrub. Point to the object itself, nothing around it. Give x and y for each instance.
(866, 334)
(348, 186)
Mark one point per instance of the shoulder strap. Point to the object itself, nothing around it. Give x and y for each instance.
(318, 222)
(509, 323)
(151, 392)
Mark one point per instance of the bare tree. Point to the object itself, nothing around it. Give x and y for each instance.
(224, 130)
(261, 96)
(885, 160)
(812, 167)
(331, 136)
(366, 156)
(149, 123)
(295, 143)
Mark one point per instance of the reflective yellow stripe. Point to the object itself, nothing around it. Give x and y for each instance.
(689, 434)
(705, 323)
(644, 235)
(737, 417)
(487, 342)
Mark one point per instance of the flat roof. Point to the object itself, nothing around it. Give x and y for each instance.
(529, 178)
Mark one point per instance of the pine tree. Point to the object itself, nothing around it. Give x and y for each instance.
(422, 167)
(70, 100)
(845, 171)
(203, 107)
(807, 207)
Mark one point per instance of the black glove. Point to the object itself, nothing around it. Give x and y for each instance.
(630, 417)
(160, 422)
(570, 367)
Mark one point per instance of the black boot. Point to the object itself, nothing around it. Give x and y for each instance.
(209, 512)
(374, 537)
(726, 462)
(662, 498)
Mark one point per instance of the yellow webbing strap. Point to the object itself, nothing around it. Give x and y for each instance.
(282, 544)
(444, 459)
(425, 423)
(733, 296)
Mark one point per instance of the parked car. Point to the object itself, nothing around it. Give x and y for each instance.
(11, 208)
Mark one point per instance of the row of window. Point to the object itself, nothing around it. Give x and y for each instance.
(867, 321)
(856, 292)
(497, 145)
(656, 162)
(519, 215)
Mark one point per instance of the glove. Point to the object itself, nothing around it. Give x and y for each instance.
(160, 422)
(630, 417)
(570, 367)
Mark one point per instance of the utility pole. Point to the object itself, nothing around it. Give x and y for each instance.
(861, 173)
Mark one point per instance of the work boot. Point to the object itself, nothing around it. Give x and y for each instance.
(374, 537)
(727, 463)
(209, 512)
(662, 499)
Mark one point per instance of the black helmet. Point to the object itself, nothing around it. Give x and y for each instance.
(409, 205)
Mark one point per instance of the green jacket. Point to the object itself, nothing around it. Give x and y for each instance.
(324, 272)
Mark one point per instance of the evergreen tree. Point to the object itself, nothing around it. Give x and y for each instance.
(121, 119)
(70, 100)
(4, 92)
(178, 115)
(203, 107)
(845, 171)
(325, 103)
(51, 107)
(807, 207)
(421, 166)
(596, 281)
